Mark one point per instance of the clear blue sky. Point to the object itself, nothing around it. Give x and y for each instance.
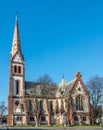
(57, 37)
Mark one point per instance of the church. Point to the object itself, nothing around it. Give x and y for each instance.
(67, 102)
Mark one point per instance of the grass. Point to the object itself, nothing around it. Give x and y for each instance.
(75, 126)
(86, 126)
(60, 126)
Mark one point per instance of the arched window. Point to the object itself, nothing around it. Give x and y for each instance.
(43, 118)
(30, 105)
(51, 106)
(79, 102)
(17, 87)
(19, 69)
(18, 118)
(31, 118)
(17, 103)
(76, 118)
(15, 69)
(41, 105)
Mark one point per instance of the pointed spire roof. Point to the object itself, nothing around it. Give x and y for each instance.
(16, 39)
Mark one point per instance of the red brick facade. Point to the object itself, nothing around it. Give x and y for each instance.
(18, 108)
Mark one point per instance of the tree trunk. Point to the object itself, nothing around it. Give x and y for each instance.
(47, 111)
(36, 121)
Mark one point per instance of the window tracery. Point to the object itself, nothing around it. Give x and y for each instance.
(79, 102)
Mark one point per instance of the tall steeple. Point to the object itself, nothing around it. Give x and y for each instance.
(16, 39)
(16, 82)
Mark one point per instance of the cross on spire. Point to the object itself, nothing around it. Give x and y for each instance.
(63, 76)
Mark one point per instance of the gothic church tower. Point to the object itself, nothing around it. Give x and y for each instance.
(16, 98)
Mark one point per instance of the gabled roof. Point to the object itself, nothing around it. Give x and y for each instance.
(70, 84)
(32, 87)
(75, 81)
(36, 87)
(54, 91)
(20, 54)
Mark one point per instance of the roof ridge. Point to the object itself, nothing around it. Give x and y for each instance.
(70, 81)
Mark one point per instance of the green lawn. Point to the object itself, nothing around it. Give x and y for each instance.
(54, 126)
(75, 126)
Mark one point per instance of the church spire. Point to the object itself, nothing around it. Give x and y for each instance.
(16, 39)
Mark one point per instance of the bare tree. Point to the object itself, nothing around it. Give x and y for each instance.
(46, 85)
(45, 79)
(34, 104)
(68, 104)
(45, 88)
(95, 87)
(3, 110)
